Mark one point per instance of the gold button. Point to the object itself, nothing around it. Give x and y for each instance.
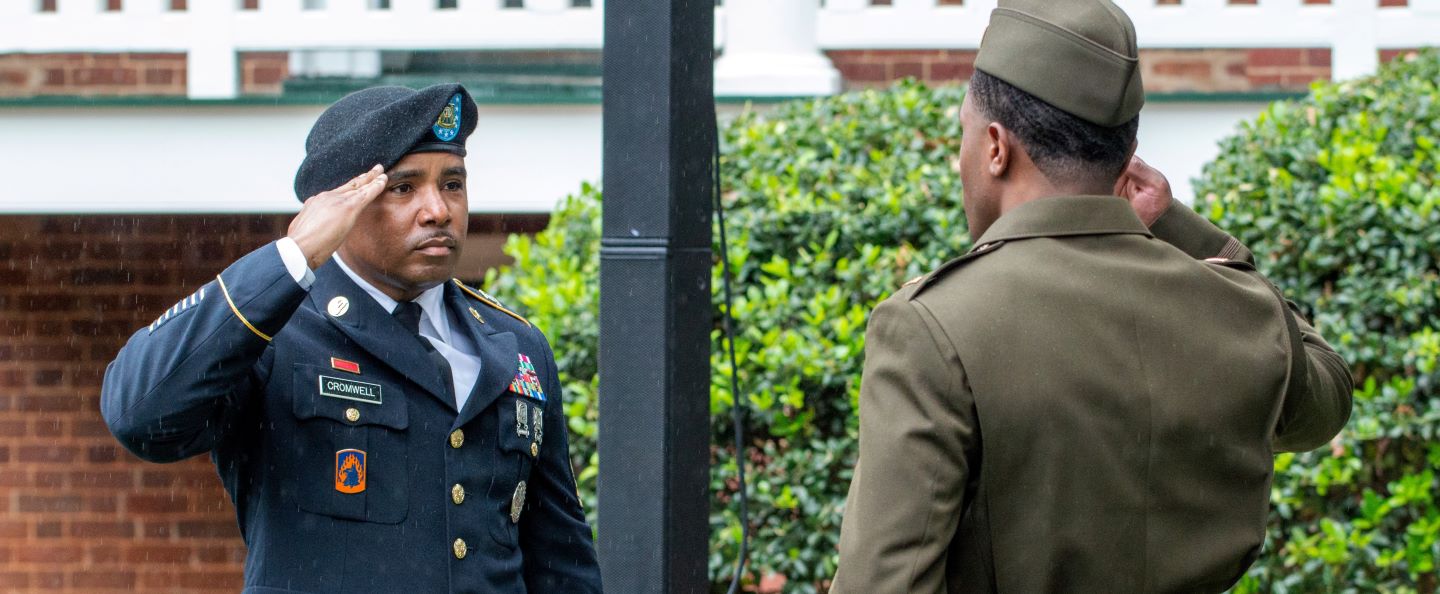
(352, 414)
(534, 449)
(457, 438)
(457, 494)
(460, 549)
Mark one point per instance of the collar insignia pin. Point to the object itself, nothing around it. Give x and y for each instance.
(338, 306)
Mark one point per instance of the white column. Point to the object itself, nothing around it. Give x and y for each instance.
(771, 50)
(212, 70)
(1356, 51)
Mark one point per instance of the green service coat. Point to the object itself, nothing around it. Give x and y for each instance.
(1080, 404)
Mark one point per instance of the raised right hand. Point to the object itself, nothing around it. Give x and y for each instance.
(327, 218)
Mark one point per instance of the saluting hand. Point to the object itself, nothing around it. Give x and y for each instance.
(327, 218)
(1146, 188)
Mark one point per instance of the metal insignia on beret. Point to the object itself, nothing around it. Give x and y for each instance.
(447, 126)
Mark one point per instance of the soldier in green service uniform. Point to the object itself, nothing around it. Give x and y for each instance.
(1090, 400)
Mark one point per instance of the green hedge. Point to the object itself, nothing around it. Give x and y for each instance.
(835, 202)
(1337, 192)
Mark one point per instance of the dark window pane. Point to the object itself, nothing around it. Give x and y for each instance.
(178, 5)
(513, 4)
(112, 5)
(582, 3)
(250, 4)
(47, 5)
(447, 3)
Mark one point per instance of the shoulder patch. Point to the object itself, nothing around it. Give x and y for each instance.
(183, 306)
(954, 265)
(485, 298)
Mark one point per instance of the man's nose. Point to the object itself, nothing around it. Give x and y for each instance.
(433, 209)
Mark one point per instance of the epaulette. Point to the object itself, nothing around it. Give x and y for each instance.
(951, 266)
(1236, 264)
(485, 298)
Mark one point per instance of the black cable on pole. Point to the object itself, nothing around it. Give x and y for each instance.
(735, 411)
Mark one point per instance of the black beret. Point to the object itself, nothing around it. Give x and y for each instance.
(382, 125)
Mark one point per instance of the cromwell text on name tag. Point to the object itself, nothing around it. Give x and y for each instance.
(335, 387)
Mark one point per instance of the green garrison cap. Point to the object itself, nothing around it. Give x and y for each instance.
(1077, 55)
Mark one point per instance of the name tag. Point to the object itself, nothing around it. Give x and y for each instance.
(349, 389)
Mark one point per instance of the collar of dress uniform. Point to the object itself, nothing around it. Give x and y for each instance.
(1065, 216)
(433, 324)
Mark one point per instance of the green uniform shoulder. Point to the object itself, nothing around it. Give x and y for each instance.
(485, 298)
(918, 285)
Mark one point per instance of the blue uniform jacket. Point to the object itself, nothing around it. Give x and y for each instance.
(369, 481)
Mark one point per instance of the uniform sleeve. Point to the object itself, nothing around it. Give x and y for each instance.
(165, 391)
(1319, 406)
(919, 440)
(558, 546)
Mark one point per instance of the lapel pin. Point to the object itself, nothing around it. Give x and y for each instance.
(338, 306)
(477, 315)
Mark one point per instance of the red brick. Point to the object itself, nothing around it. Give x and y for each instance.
(102, 454)
(50, 481)
(951, 71)
(14, 580)
(153, 504)
(212, 580)
(47, 530)
(46, 453)
(48, 404)
(863, 72)
(14, 530)
(49, 555)
(49, 427)
(102, 529)
(908, 69)
(50, 503)
(14, 78)
(159, 76)
(1318, 57)
(208, 529)
(267, 75)
(154, 554)
(105, 554)
(103, 579)
(102, 504)
(1389, 3)
(49, 377)
(48, 580)
(102, 479)
(1276, 57)
(104, 76)
(87, 428)
(1183, 68)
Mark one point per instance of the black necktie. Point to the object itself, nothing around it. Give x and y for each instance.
(408, 314)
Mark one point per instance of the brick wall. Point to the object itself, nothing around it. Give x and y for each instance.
(126, 74)
(77, 512)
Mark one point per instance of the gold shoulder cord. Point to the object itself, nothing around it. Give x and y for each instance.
(488, 302)
(236, 310)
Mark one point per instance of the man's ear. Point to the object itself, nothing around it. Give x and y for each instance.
(1001, 144)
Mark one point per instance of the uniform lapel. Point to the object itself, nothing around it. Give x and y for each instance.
(499, 357)
(370, 326)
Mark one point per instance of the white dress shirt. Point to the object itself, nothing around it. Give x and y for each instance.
(435, 320)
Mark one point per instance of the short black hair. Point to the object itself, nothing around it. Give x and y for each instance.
(1063, 147)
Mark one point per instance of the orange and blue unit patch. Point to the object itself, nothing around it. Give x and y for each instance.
(526, 382)
(350, 471)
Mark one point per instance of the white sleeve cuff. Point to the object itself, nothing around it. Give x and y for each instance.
(295, 262)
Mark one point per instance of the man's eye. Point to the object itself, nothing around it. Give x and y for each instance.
(454, 186)
(400, 189)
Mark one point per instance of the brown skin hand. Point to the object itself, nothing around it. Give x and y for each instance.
(408, 238)
(998, 175)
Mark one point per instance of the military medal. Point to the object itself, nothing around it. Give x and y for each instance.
(517, 502)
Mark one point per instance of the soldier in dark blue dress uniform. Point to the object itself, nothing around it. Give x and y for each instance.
(379, 426)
